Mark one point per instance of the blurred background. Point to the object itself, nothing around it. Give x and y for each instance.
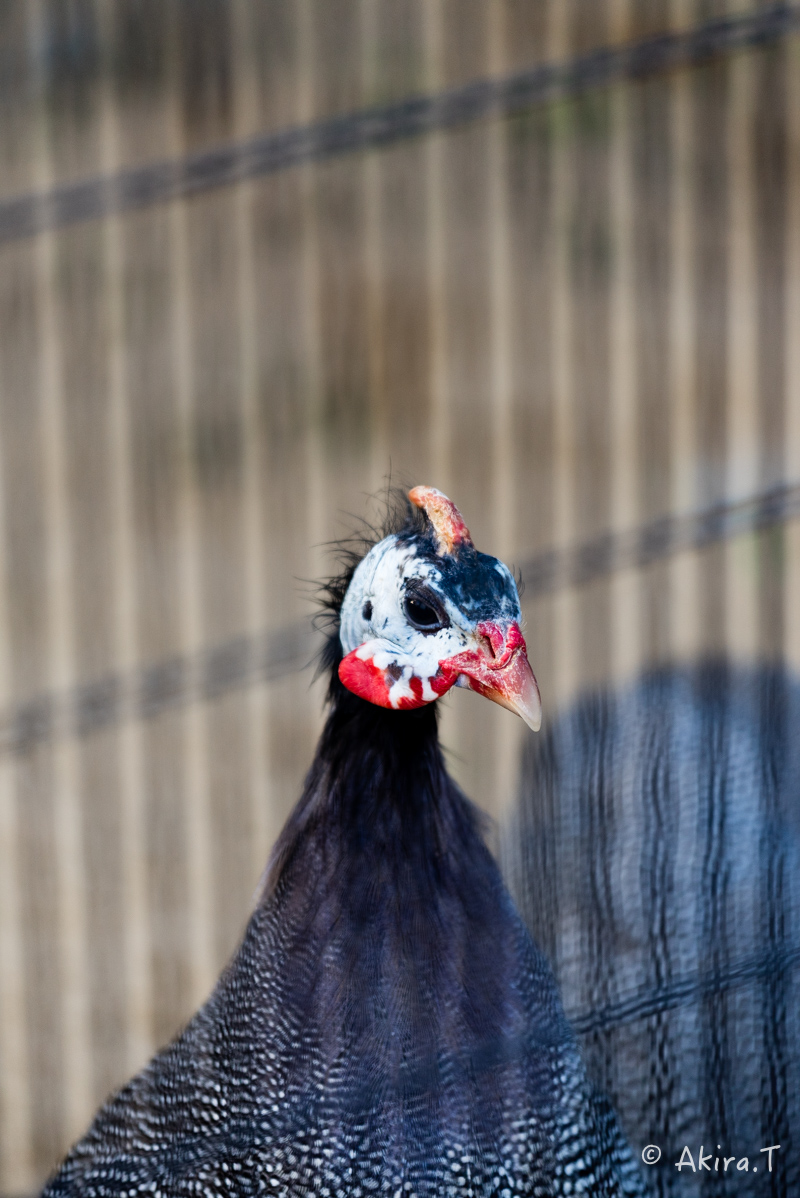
(570, 298)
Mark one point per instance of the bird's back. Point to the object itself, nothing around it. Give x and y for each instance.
(656, 858)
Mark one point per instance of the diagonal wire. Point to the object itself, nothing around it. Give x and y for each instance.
(229, 163)
(250, 660)
(661, 538)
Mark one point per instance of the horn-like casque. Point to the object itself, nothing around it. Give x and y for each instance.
(446, 520)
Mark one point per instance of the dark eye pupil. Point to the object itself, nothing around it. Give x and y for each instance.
(421, 613)
(367, 611)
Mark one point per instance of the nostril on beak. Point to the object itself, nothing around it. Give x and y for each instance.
(493, 642)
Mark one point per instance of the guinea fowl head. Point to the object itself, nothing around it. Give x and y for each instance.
(423, 611)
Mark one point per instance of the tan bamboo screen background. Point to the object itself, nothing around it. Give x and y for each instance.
(579, 315)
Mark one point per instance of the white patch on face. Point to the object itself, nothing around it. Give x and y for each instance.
(412, 665)
(385, 636)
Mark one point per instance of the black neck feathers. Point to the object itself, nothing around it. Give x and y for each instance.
(383, 871)
(378, 801)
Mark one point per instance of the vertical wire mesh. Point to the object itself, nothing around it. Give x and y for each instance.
(576, 319)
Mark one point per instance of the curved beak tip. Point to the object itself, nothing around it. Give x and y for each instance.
(527, 702)
(515, 689)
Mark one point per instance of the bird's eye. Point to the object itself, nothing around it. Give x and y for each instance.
(423, 612)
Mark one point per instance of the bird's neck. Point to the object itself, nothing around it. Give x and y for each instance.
(398, 941)
(378, 797)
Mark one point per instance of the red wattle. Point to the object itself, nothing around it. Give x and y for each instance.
(443, 679)
(440, 683)
(364, 679)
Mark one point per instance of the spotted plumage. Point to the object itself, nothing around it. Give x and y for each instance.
(387, 1025)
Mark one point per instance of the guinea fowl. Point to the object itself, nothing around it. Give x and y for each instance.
(387, 1025)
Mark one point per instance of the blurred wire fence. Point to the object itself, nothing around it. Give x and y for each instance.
(255, 257)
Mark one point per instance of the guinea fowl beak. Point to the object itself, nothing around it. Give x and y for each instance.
(498, 668)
